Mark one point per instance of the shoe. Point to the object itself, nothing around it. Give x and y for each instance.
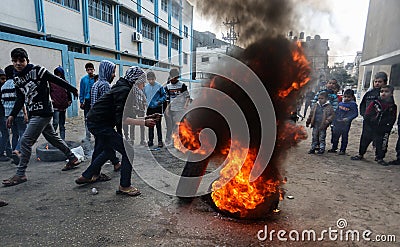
(341, 152)
(3, 203)
(143, 143)
(382, 162)
(4, 158)
(376, 158)
(132, 191)
(71, 164)
(150, 144)
(321, 151)
(332, 151)
(14, 180)
(311, 151)
(394, 162)
(160, 144)
(357, 157)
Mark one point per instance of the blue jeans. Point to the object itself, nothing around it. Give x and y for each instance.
(107, 141)
(59, 120)
(39, 125)
(5, 137)
(340, 130)
(18, 129)
(318, 137)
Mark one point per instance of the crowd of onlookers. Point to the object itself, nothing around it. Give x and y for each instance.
(330, 110)
(34, 101)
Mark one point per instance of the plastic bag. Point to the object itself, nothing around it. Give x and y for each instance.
(78, 151)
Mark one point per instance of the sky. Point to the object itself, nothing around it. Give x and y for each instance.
(341, 21)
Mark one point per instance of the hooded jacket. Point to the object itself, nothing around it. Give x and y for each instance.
(345, 113)
(59, 96)
(369, 97)
(102, 86)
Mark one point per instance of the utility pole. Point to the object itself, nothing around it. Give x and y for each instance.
(231, 35)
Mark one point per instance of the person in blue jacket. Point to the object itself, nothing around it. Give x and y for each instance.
(344, 114)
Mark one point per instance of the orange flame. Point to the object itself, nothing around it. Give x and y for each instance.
(47, 146)
(300, 59)
(235, 193)
(188, 139)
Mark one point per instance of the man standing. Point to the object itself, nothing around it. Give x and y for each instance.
(155, 96)
(84, 94)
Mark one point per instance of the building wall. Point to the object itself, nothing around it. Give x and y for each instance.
(101, 33)
(57, 26)
(382, 28)
(12, 13)
(127, 44)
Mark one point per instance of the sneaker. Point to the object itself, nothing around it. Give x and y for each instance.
(71, 164)
(382, 162)
(341, 152)
(321, 151)
(160, 144)
(4, 158)
(150, 144)
(332, 151)
(311, 151)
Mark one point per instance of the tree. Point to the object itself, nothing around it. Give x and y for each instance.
(342, 77)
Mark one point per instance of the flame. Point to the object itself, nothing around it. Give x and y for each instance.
(188, 139)
(302, 78)
(235, 193)
(291, 134)
(47, 146)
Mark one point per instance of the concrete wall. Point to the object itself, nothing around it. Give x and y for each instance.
(20, 13)
(49, 58)
(382, 29)
(126, 39)
(56, 18)
(148, 48)
(101, 33)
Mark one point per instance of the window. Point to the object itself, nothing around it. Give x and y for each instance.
(163, 37)
(175, 10)
(100, 10)
(164, 5)
(148, 62)
(128, 19)
(73, 4)
(185, 58)
(151, 0)
(148, 30)
(205, 59)
(185, 31)
(175, 42)
(162, 65)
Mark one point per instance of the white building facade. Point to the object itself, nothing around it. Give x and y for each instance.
(154, 34)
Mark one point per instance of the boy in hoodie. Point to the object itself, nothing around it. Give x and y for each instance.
(344, 114)
(379, 118)
(8, 98)
(110, 112)
(373, 94)
(32, 85)
(61, 99)
(100, 87)
(320, 118)
(331, 86)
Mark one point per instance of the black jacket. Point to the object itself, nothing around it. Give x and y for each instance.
(32, 86)
(109, 109)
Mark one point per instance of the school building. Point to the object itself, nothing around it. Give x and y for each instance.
(152, 34)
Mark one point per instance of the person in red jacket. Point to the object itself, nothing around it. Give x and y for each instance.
(61, 99)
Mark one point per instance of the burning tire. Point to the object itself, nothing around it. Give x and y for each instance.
(48, 153)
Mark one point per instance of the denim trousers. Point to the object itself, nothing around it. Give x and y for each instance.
(59, 120)
(5, 137)
(18, 128)
(151, 111)
(39, 125)
(107, 141)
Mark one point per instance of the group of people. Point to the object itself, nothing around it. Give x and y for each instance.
(337, 112)
(38, 96)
